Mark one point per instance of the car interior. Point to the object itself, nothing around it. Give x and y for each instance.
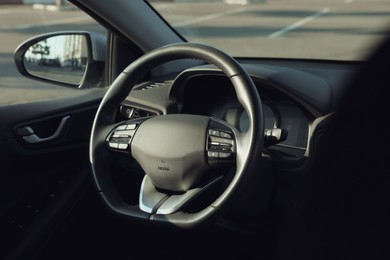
(176, 150)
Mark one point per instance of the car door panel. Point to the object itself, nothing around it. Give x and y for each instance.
(42, 181)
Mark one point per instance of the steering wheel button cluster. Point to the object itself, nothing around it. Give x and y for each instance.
(121, 139)
(121, 136)
(214, 132)
(225, 149)
(221, 141)
(121, 127)
(224, 155)
(113, 145)
(124, 133)
(225, 135)
(131, 126)
(123, 146)
(213, 154)
(221, 147)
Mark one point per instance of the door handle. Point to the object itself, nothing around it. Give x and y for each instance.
(28, 135)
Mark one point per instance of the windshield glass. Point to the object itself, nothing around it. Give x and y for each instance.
(310, 29)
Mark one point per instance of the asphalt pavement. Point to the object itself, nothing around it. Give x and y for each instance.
(332, 29)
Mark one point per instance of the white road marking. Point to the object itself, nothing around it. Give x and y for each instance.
(349, 1)
(208, 17)
(298, 24)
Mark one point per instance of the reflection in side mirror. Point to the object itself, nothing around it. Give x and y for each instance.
(60, 58)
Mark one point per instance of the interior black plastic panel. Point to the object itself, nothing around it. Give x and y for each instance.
(294, 94)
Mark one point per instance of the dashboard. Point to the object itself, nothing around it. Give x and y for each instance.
(293, 99)
(214, 96)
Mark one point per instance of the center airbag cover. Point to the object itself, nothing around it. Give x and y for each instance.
(171, 150)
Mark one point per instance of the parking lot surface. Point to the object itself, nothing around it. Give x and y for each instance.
(332, 29)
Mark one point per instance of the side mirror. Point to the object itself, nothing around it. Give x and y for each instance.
(71, 59)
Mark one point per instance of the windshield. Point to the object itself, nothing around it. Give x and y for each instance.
(310, 29)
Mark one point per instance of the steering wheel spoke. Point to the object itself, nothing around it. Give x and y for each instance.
(155, 202)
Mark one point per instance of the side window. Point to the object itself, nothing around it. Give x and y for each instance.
(22, 20)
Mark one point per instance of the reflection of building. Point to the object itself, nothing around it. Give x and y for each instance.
(74, 51)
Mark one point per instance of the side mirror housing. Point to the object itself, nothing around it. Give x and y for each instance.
(71, 59)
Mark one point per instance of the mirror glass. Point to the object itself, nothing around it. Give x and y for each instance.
(61, 58)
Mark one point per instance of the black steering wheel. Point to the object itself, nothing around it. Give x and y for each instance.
(177, 151)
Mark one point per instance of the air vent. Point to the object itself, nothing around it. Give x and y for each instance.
(129, 112)
(154, 85)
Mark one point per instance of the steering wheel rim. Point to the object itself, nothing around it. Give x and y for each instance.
(249, 143)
